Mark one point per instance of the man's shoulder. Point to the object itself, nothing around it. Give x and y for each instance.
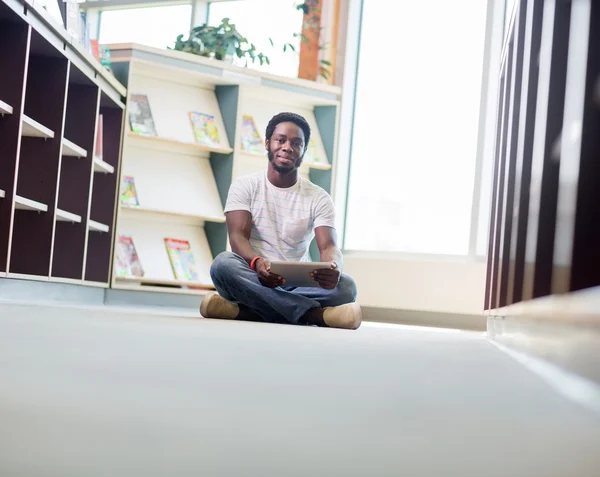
(253, 179)
(312, 189)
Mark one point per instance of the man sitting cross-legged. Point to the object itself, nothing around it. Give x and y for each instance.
(273, 215)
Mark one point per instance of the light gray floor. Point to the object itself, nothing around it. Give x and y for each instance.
(115, 394)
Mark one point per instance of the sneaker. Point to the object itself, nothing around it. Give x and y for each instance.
(347, 316)
(215, 306)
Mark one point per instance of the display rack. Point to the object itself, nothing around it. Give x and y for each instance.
(58, 198)
(182, 184)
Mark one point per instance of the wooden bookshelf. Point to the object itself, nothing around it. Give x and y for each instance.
(52, 93)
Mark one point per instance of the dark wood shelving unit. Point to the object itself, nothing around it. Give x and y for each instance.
(57, 197)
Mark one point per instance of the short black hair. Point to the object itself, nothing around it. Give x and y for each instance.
(288, 118)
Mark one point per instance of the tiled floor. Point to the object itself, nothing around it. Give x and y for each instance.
(97, 393)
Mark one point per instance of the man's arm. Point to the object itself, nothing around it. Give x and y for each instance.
(239, 226)
(330, 252)
(327, 243)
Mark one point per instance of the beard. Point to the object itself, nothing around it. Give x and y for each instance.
(280, 169)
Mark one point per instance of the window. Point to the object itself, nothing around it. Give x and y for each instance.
(259, 20)
(416, 122)
(153, 26)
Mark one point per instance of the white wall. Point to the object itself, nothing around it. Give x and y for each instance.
(428, 284)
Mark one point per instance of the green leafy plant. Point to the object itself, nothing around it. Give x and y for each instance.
(219, 42)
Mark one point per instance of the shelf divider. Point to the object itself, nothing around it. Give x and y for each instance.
(22, 203)
(94, 226)
(103, 167)
(5, 108)
(64, 216)
(31, 128)
(69, 148)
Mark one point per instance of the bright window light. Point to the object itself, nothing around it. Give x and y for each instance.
(152, 26)
(415, 127)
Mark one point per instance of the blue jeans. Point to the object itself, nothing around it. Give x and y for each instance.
(237, 282)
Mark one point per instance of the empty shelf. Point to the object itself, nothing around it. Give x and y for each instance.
(2, 194)
(101, 166)
(5, 108)
(27, 204)
(97, 226)
(32, 128)
(64, 216)
(69, 148)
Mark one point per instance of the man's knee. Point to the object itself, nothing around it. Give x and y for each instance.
(347, 290)
(224, 264)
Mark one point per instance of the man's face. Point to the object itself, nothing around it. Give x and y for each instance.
(286, 148)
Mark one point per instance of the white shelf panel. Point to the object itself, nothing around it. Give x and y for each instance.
(5, 108)
(174, 144)
(64, 216)
(2, 194)
(23, 203)
(155, 288)
(134, 210)
(149, 241)
(69, 148)
(97, 226)
(32, 128)
(101, 166)
(174, 183)
(160, 281)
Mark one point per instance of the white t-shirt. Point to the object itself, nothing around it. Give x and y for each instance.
(283, 220)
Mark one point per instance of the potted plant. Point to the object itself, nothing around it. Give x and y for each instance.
(222, 42)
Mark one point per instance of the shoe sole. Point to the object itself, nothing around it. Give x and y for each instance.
(358, 314)
(204, 305)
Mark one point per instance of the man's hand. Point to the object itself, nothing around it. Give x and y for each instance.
(327, 278)
(268, 279)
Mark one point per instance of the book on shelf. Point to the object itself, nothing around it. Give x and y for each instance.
(127, 263)
(129, 195)
(98, 152)
(182, 259)
(312, 155)
(252, 143)
(204, 128)
(140, 115)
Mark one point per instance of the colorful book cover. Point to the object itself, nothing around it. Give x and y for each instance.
(182, 259)
(140, 115)
(205, 129)
(251, 140)
(127, 262)
(128, 192)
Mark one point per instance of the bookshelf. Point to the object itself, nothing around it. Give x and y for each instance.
(182, 185)
(57, 200)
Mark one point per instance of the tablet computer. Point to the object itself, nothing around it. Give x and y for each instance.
(297, 274)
